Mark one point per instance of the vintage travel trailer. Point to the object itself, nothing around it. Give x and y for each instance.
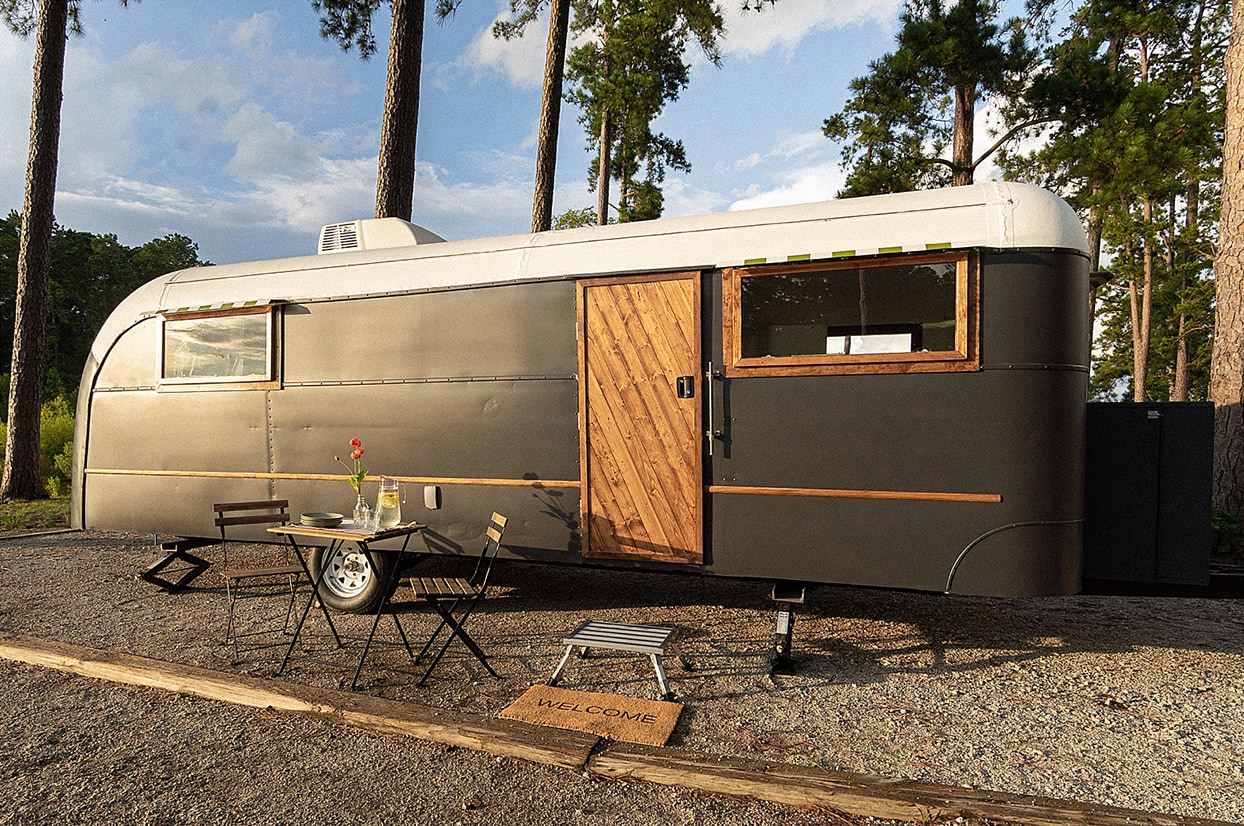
(884, 391)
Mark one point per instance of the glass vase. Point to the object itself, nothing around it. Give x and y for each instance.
(362, 513)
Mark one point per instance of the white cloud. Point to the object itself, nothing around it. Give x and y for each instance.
(750, 34)
(747, 162)
(266, 147)
(489, 208)
(795, 186)
(793, 144)
(521, 59)
(681, 198)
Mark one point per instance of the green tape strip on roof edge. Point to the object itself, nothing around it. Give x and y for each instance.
(807, 256)
(888, 250)
(944, 245)
(842, 254)
(751, 262)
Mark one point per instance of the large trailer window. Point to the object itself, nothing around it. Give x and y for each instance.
(876, 315)
(223, 347)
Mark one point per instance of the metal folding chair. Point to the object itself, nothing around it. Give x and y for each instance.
(264, 512)
(455, 599)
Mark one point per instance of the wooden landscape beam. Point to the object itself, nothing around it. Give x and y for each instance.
(856, 794)
(509, 738)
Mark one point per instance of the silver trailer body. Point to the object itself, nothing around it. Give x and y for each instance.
(721, 394)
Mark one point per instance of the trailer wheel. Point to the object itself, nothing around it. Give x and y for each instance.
(350, 582)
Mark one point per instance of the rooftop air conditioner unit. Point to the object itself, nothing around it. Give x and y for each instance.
(373, 234)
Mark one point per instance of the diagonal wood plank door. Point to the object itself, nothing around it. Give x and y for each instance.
(642, 461)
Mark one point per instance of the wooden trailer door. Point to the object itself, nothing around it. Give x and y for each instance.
(640, 418)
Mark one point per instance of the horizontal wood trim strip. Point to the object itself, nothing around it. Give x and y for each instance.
(829, 493)
(331, 477)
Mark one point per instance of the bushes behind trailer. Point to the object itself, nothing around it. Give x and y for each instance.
(55, 443)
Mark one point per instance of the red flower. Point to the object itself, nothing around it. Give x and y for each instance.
(356, 478)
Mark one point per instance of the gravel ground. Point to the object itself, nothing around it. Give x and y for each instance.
(1129, 701)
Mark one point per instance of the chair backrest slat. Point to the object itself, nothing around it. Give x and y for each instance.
(250, 506)
(483, 568)
(252, 519)
(262, 512)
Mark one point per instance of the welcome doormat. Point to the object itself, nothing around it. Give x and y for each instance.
(609, 715)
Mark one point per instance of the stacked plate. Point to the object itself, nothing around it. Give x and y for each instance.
(322, 520)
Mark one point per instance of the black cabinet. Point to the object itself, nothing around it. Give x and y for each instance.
(1148, 492)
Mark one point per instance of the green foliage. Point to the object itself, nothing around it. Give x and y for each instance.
(900, 117)
(1135, 94)
(630, 62)
(574, 218)
(89, 275)
(349, 23)
(21, 16)
(34, 515)
(55, 443)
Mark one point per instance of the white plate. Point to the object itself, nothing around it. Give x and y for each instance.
(322, 520)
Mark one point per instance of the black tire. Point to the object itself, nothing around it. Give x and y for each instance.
(351, 584)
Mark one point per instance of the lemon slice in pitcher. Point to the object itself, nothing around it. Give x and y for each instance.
(388, 500)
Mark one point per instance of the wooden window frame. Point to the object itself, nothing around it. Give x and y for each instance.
(965, 356)
(272, 379)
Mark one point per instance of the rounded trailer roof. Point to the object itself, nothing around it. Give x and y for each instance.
(992, 215)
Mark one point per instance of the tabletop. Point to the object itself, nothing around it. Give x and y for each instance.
(346, 530)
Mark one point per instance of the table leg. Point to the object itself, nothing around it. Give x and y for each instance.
(315, 590)
(385, 593)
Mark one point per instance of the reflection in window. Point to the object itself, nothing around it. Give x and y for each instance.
(218, 347)
(855, 311)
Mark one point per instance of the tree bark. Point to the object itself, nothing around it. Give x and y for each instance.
(1226, 384)
(961, 150)
(395, 178)
(22, 478)
(550, 116)
(602, 169)
(1142, 316)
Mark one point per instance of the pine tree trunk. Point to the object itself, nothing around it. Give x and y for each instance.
(550, 114)
(22, 477)
(1179, 387)
(602, 169)
(965, 116)
(1182, 379)
(395, 179)
(1226, 385)
(1142, 326)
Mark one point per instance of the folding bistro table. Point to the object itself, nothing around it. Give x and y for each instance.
(363, 539)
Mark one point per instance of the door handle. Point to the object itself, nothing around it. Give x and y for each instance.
(711, 434)
(685, 386)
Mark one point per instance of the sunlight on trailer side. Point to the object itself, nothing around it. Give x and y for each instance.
(883, 391)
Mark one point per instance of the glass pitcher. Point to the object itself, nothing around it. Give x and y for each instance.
(389, 503)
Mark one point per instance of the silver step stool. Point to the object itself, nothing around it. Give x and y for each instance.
(652, 640)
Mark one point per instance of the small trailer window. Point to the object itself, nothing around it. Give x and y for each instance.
(877, 315)
(219, 348)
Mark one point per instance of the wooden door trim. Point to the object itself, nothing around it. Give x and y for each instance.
(697, 491)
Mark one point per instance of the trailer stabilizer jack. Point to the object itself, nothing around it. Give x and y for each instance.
(789, 594)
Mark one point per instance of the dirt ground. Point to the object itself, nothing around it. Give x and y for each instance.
(1125, 701)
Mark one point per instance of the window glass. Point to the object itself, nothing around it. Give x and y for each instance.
(218, 347)
(874, 315)
(856, 311)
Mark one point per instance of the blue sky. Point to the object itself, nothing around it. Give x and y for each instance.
(234, 123)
